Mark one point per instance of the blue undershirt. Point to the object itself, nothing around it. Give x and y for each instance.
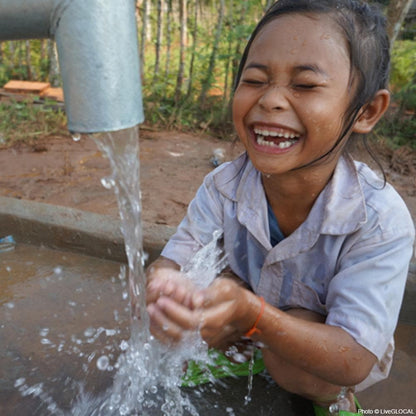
(276, 235)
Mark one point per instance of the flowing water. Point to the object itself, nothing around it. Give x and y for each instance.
(147, 374)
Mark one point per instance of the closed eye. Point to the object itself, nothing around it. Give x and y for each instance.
(252, 81)
(306, 86)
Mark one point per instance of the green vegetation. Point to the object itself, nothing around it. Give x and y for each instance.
(399, 125)
(26, 121)
(26, 60)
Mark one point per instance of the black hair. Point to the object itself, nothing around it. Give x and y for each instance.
(364, 28)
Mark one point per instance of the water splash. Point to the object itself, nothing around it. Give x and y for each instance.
(149, 374)
(342, 402)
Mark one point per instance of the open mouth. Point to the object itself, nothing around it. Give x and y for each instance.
(275, 139)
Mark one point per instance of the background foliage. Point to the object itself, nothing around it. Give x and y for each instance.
(190, 52)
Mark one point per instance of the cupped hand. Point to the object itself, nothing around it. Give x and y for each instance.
(226, 311)
(168, 282)
(169, 301)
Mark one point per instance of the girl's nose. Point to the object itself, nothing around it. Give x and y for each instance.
(273, 98)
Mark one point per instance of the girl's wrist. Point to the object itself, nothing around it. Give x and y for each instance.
(255, 329)
(253, 311)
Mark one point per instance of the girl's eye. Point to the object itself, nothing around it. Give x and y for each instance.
(305, 86)
(252, 81)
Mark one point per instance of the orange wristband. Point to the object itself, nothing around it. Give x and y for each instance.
(254, 328)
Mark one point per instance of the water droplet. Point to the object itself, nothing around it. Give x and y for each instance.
(103, 363)
(124, 409)
(116, 315)
(10, 305)
(108, 183)
(89, 332)
(57, 270)
(124, 345)
(19, 382)
(239, 358)
(115, 399)
(43, 332)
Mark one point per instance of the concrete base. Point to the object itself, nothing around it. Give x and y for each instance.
(74, 230)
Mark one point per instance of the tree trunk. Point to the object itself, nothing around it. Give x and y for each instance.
(144, 34)
(168, 41)
(43, 49)
(159, 32)
(268, 4)
(54, 78)
(193, 52)
(29, 72)
(181, 69)
(19, 48)
(230, 25)
(396, 13)
(240, 43)
(206, 85)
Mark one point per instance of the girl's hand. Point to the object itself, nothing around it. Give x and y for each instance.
(227, 310)
(169, 301)
(169, 282)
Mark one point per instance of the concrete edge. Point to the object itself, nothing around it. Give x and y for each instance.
(74, 230)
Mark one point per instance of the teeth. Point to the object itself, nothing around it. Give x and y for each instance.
(281, 145)
(266, 133)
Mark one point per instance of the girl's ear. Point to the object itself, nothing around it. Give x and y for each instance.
(371, 113)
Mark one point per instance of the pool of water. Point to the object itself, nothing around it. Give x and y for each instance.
(64, 315)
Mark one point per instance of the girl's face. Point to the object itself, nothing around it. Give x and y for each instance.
(289, 105)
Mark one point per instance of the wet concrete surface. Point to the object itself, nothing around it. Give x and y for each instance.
(53, 305)
(60, 311)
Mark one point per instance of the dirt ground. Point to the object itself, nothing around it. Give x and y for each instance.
(60, 171)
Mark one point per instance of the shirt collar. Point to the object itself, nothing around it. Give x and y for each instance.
(343, 200)
(339, 209)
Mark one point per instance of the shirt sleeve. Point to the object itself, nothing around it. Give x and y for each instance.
(204, 218)
(365, 296)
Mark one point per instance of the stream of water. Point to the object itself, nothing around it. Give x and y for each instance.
(149, 374)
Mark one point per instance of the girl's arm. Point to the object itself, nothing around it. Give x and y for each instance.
(325, 351)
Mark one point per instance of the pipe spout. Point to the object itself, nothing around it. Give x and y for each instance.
(98, 56)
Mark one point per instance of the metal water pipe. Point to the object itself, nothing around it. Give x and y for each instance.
(98, 56)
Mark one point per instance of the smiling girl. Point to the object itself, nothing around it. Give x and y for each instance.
(318, 246)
